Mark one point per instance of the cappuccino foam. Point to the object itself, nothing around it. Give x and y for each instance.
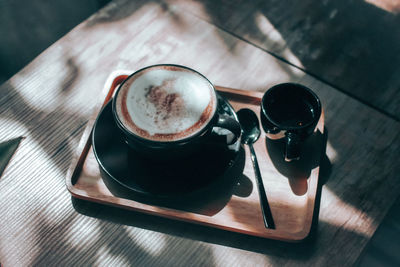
(166, 103)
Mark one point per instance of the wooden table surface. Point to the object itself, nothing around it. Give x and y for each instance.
(51, 99)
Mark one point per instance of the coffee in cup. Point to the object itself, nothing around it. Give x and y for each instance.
(165, 103)
(167, 108)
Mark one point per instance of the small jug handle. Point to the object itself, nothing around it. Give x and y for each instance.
(292, 149)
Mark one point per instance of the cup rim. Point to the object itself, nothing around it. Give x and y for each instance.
(131, 134)
(299, 86)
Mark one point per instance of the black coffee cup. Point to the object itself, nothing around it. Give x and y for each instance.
(162, 99)
(291, 112)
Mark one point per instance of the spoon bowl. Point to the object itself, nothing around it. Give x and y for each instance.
(249, 123)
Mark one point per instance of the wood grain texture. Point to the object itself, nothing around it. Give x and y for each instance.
(354, 46)
(292, 193)
(51, 100)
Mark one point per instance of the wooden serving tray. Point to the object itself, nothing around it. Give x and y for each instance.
(291, 187)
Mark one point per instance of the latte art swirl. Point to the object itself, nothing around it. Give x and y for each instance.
(165, 103)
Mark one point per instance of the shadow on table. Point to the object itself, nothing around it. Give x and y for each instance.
(313, 155)
(117, 11)
(359, 40)
(18, 108)
(302, 250)
(101, 241)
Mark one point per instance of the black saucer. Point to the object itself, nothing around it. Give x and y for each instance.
(127, 174)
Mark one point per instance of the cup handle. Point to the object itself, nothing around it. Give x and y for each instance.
(230, 124)
(292, 149)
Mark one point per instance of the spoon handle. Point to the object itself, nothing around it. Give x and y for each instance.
(266, 210)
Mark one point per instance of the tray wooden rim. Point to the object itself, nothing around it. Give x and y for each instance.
(84, 145)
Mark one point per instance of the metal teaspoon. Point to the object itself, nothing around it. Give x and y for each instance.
(250, 134)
